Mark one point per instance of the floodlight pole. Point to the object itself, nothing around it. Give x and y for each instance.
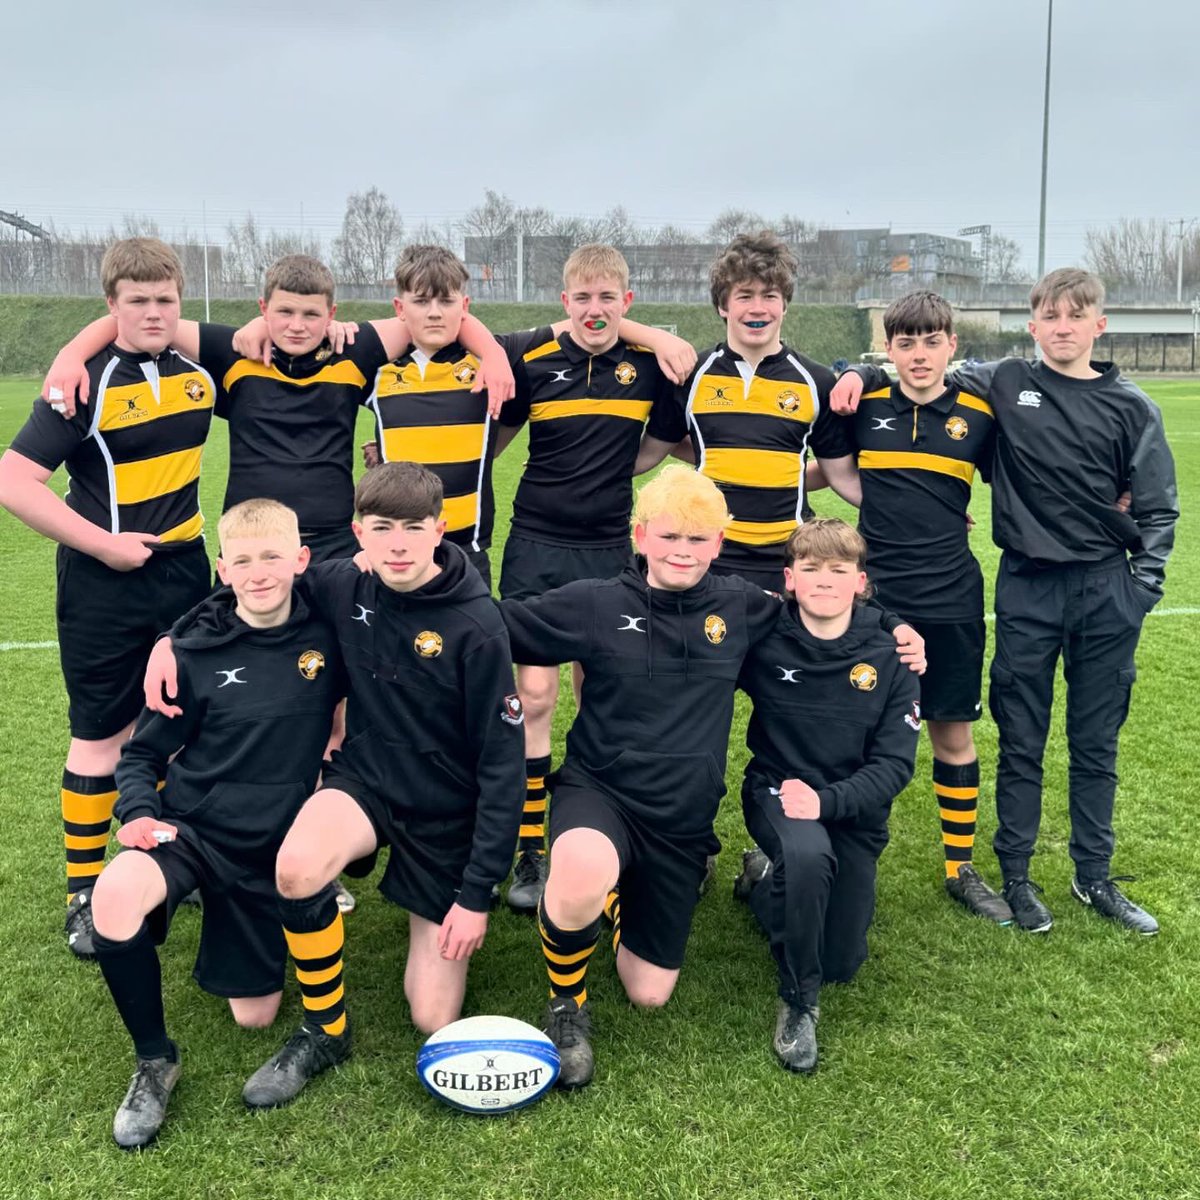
(1045, 144)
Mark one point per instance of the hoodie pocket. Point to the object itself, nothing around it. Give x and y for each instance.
(245, 815)
(666, 783)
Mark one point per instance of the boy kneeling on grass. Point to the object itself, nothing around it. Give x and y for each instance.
(258, 677)
(833, 737)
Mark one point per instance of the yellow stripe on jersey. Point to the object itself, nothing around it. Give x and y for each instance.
(133, 404)
(754, 468)
(965, 398)
(191, 529)
(882, 460)
(434, 444)
(340, 372)
(759, 533)
(159, 476)
(541, 351)
(460, 512)
(550, 410)
(718, 395)
(882, 394)
(439, 377)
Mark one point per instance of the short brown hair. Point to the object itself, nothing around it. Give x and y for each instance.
(596, 261)
(430, 271)
(827, 539)
(301, 274)
(1081, 288)
(399, 491)
(139, 260)
(918, 312)
(258, 518)
(761, 257)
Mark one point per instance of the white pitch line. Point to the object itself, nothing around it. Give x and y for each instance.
(1158, 612)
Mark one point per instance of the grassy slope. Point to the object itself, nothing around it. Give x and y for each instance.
(965, 1060)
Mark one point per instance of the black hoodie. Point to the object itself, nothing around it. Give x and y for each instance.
(660, 669)
(433, 725)
(257, 708)
(840, 714)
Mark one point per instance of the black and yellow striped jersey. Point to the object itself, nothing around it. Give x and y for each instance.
(752, 428)
(586, 414)
(133, 452)
(916, 463)
(291, 425)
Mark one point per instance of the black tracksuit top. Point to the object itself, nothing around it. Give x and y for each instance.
(257, 708)
(433, 724)
(841, 715)
(660, 672)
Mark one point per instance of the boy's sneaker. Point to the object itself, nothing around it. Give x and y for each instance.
(1027, 910)
(345, 898)
(1109, 901)
(568, 1025)
(529, 881)
(144, 1108)
(795, 1041)
(308, 1052)
(755, 865)
(970, 890)
(79, 927)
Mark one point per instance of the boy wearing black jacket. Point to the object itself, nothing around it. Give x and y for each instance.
(833, 737)
(259, 677)
(661, 646)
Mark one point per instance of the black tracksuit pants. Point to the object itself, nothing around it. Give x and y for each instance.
(817, 903)
(1092, 614)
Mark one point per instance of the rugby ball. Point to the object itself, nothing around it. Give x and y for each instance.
(488, 1064)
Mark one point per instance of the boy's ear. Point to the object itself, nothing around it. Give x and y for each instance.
(332, 314)
(262, 306)
(222, 571)
(789, 578)
(861, 586)
(303, 558)
(639, 535)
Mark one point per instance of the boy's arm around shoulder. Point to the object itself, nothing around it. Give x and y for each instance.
(553, 628)
(890, 751)
(495, 726)
(1154, 503)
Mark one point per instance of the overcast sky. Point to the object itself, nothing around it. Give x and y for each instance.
(925, 116)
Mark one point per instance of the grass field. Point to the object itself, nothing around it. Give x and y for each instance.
(965, 1061)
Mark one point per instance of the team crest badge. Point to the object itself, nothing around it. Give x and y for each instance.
(513, 713)
(324, 354)
(626, 373)
(864, 677)
(788, 402)
(193, 389)
(464, 371)
(913, 719)
(714, 629)
(310, 664)
(428, 644)
(957, 428)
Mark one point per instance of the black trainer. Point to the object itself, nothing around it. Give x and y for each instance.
(755, 865)
(529, 881)
(795, 1041)
(79, 927)
(568, 1025)
(973, 893)
(144, 1108)
(1028, 911)
(308, 1052)
(1110, 902)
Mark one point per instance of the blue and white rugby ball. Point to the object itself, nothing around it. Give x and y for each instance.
(488, 1064)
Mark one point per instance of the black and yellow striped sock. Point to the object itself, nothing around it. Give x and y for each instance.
(87, 806)
(567, 952)
(957, 792)
(612, 910)
(533, 818)
(314, 932)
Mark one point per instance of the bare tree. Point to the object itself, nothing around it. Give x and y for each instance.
(1136, 252)
(1004, 260)
(729, 222)
(372, 234)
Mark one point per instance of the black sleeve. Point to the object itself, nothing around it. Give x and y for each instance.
(1155, 502)
(974, 377)
(553, 628)
(873, 377)
(891, 748)
(145, 757)
(495, 729)
(516, 345)
(986, 461)
(367, 354)
(217, 355)
(328, 583)
(889, 622)
(832, 436)
(49, 440)
(668, 416)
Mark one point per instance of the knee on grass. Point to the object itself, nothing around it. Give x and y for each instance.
(254, 1012)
